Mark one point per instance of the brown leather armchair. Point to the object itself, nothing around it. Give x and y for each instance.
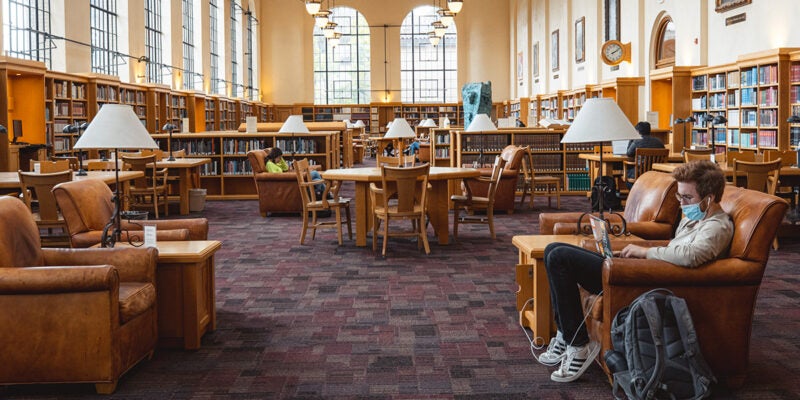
(68, 316)
(721, 294)
(651, 210)
(507, 188)
(277, 193)
(86, 206)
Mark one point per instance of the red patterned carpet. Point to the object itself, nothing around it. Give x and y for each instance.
(320, 321)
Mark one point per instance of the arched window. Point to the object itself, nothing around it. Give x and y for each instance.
(665, 44)
(428, 74)
(342, 72)
(26, 26)
(103, 17)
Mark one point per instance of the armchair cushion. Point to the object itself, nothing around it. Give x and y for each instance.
(507, 188)
(134, 299)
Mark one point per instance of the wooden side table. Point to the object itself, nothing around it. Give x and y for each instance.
(531, 276)
(185, 290)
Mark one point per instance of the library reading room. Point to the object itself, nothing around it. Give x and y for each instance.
(405, 199)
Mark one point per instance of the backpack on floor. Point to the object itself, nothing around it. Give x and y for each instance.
(611, 200)
(656, 354)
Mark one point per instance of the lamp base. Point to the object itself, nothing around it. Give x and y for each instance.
(616, 229)
(171, 158)
(81, 172)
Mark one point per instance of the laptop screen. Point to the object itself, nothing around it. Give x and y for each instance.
(600, 233)
(619, 147)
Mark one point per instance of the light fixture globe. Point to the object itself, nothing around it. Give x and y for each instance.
(455, 6)
(433, 38)
(446, 17)
(321, 19)
(334, 41)
(294, 124)
(329, 31)
(438, 28)
(313, 6)
(359, 124)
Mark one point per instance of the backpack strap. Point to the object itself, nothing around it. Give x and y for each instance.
(656, 325)
(702, 376)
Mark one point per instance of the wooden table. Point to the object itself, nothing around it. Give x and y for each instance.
(188, 176)
(612, 161)
(185, 290)
(533, 295)
(10, 180)
(438, 198)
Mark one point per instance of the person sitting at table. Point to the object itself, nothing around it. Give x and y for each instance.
(276, 164)
(646, 142)
(389, 150)
(704, 234)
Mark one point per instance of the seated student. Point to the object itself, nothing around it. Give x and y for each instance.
(413, 148)
(389, 150)
(646, 142)
(276, 164)
(704, 234)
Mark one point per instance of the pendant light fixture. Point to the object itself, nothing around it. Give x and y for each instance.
(455, 6)
(313, 6)
(321, 18)
(438, 28)
(433, 38)
(329, 30)
(445, 17)
(334, 41)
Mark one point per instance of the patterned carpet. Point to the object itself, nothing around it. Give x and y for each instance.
(320, 321)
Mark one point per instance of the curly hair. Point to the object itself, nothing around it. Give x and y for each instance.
(705, 174)
(274, 153)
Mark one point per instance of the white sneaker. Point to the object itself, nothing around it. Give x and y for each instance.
(556, 350)
(575, 362)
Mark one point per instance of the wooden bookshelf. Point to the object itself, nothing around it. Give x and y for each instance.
(670, 96)
(23, 99)
(70, 106)
(158, 96)
(229, 175)
(136, 97)
(794, 98)
(196, 110)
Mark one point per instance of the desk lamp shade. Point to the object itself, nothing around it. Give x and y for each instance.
(116, 126)
(359, 124)
(600, 120)
(481, 123)
(400, 129)
(294, 124)
(428, 123)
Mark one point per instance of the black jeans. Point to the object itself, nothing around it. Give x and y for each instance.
(567, 267)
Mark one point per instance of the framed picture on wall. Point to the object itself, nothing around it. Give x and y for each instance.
(554, 50)
(725, 5)
(536, 59)
(580, 49)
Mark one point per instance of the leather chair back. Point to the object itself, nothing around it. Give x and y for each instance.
(652, 198)
(86, 204)
(513, 155)
(754, 218)
(258, 159)
(19, 247)
(277, 192)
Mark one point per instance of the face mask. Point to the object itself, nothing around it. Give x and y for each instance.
(693, 212)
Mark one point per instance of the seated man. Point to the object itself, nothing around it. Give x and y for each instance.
(704, 234)
(646, 142)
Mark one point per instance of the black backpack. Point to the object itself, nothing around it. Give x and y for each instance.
(611, 200)
(656, 354)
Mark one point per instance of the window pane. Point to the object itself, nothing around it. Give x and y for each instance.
(26, 28)
(427, 73)
(342, 73)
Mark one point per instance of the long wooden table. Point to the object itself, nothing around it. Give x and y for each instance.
(438, 198)
(9, 181)
(612, 161)
(188, 176)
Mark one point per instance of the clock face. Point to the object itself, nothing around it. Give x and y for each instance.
(613, 52)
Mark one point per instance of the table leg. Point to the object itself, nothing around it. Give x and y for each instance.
(438, 208)
(537, 315)
(362, 214)
(185, 183)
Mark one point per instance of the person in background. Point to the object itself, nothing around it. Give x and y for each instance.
(277, 165)
(646, 142)
(704, 234)
(389, 150)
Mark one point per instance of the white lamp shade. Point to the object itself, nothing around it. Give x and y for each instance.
(359, 124)
(347, 123)
(115, 126)
(313, 6)
(481, 123)
(294, 124)
(428, 123)
(600, 120)
(455, 5)
(400, 129)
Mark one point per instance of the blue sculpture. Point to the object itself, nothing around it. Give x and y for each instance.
(477, 97)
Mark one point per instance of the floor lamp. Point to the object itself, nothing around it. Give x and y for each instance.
(116, 126)
(600, 120)
(481, 123)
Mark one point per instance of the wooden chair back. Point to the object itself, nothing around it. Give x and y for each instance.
(645, 158)
(179, 153)
(157, 152)
(760, 176)
(46, 167)
(788, 157)
(395, 161)
(407, 185)
(40, 186)
(101, 166)
(150, 190)
(749, 156)
(690, 155)
(72, 160)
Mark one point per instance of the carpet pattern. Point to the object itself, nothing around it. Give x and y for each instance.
(320, 321)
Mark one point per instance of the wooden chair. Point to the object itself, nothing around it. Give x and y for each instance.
(690, 155)
(47, 167)
(149, 191)
(407, 188)
(312, 206)
(788, 158)
(759, 176)
(73, 161)
(643, 161)
(101, 166)
(395, 161)
(552, 184)
(158, 153)
(470, 203)
(52, 228)
(741, 156)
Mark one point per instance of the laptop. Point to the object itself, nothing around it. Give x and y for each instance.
(600, 232)
(620, 147)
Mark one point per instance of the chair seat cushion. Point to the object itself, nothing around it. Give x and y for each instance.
(134, 299)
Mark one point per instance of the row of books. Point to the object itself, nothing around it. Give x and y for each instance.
(442, 153)
(484, 142)
(794, 72)
(237, 167)
(578, 182)
(794, 94)
(62, 109)
(69, 90)
(546, 162)
(202, 147)
(107, 93)
(768, 97)
(241, 146)
(297, 145)
(539, 142)
(210, 169)
(574, 163)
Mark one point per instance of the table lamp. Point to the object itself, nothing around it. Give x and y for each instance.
(116, 126)
(170, 127)
(399, 130)
(481, 123)
(76, 128)
(600, 120)
(718, 120)
(294, 124)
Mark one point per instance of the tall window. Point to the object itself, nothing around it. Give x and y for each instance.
(427, 73)
(665, 47)
(236, 34)
(217, 86)
(153, 40)
(26, 26)
(251, 89)
(103, 16)
(342, 73)
(188, 44)
(612, 19)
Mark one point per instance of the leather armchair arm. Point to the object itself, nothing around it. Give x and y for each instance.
(132, 264)
(651, 229)
(656, 273)
(33, 280)
(197, 227)
(91, 238)
(273, 176)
